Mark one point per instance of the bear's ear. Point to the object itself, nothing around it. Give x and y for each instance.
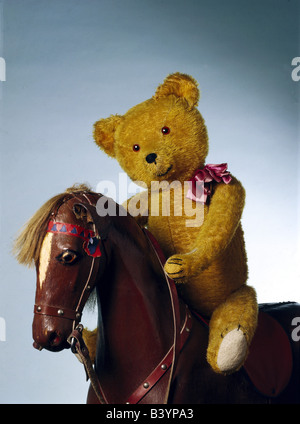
(104, 133)
(180, 85)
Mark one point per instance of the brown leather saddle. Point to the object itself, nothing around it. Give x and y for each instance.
(269, 364)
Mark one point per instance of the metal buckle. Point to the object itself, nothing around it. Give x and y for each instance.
(73, 340)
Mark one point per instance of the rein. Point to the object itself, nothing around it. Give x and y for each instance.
(168, 362)
(81, 351)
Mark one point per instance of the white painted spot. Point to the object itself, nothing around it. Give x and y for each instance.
(45, 257)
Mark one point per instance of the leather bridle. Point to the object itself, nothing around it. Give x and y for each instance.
(72, 314)
(66, 313)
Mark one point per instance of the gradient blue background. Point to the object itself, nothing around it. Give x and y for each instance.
(71, 62)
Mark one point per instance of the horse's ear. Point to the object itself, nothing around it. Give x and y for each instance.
(102, 225)
(81, 212)
(104, 133)
(180, 85)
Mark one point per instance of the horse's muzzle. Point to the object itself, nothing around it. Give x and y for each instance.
(50, 333)
(53, 343)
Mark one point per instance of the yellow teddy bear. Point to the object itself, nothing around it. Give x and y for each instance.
(193, 210)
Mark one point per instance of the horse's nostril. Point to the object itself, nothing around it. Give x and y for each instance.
(54, 339)
(151, 157)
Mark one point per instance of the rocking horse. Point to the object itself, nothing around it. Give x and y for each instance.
(151, 348)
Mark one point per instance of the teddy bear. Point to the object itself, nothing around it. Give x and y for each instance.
(162, 143)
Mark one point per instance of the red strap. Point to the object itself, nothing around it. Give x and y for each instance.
(204, 321)
(175, 309)
(163, 366)
(70, 229)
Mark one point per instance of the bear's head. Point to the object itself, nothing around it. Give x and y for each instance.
(163, 138)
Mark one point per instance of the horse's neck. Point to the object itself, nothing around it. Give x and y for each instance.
(135, 311)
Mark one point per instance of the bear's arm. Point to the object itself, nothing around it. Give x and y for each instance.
(137, 206)
(223, 217)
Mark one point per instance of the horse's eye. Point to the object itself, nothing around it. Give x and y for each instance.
(68, 257)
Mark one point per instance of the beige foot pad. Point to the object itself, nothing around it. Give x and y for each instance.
(232, 351)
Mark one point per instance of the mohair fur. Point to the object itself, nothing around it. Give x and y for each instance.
(90, 339)
(209, 261)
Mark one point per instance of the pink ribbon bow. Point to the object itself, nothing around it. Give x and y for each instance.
(210, 172)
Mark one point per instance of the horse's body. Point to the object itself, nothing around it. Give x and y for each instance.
(140, 316)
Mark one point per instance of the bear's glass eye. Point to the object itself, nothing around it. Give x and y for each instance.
(136, 147)
(165, 130)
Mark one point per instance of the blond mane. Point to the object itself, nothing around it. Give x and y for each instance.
(28, 244)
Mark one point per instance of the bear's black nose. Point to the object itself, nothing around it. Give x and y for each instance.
(151, 157)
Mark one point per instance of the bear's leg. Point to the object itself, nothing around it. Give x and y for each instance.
(231, 329)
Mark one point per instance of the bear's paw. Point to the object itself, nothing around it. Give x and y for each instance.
(176, 268)
(232, 351)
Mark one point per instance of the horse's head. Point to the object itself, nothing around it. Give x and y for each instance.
(67, 259)
(66, 273)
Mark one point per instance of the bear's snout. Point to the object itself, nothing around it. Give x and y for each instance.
(151, 157)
